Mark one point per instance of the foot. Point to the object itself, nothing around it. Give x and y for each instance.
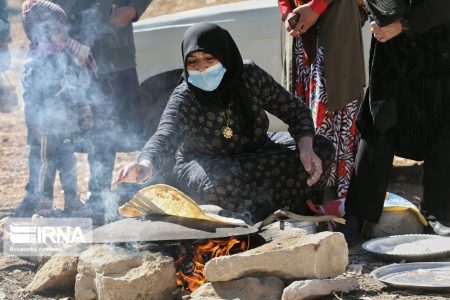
(45, 208)
(351, 229)
(26, 207)
(72, 202)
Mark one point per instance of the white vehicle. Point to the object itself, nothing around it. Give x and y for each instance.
(255, 25)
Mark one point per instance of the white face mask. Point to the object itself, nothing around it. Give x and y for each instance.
(209, 79)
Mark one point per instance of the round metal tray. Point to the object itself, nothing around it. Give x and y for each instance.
(410, 247)
(422, 275)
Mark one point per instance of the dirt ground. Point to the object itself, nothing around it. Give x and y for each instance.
(16, 273)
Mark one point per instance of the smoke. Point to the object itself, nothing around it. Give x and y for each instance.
(55, 89)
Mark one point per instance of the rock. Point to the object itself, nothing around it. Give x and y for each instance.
(249, 288)
(278, 229)
(319, 255)
(2, 226)
(106, 272)
(394, 223)
(56, 274)
(312, 289)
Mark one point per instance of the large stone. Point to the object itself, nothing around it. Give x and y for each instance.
(56, 274)
(394, 223)
(281, 228)
(321, 255)
(313, 289)
(249, 288)
(106, 272)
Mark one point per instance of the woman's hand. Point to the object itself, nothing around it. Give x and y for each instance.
(384, 34)
(308, 17)
(122, 16)
(311, 162)
(134, 173)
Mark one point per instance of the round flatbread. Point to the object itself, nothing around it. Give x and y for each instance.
(164, 199)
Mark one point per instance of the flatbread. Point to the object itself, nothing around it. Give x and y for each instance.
(162, 199)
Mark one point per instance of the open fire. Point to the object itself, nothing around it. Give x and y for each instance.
(193, 257)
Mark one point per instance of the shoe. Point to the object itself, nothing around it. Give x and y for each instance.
(72, 202)
(351, 229)
(26, 207)
(45, 208)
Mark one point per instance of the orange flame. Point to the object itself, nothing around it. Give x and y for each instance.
(203, 252)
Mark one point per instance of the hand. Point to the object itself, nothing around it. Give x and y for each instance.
(122, 16)
(311, 162)
(86, 113)
(134, 173)
(308, 17)
(384, 34)
(287, 22)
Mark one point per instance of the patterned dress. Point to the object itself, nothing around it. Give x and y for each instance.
(251, 171)
(338, 126)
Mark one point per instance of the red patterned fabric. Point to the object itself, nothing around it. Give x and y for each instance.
(285, 7)
(319, 6)
(338, 126)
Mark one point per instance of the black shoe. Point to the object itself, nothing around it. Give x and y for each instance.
(26, 207)
(351, 229)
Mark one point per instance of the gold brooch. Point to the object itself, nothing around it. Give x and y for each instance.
(227, 132)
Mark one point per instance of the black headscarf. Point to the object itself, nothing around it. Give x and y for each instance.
(212, 39)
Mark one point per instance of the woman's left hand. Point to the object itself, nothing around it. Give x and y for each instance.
(384, 34)
(308, 17)
(311, 162)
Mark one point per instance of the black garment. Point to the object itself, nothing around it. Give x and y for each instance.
(117, 117)
(231, 93)
(231, 172)
(248, 170)
(406, 112)
(108, 137)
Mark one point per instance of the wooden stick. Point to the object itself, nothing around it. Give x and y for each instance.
(283, 213)
(300, 218)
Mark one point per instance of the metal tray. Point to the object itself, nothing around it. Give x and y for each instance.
(165, 228)
(422, 275)
(410, 247)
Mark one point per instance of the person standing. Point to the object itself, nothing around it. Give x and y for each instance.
(106, 27)
(51, 77)
(406, 110)
(8, 95)
(324, 64)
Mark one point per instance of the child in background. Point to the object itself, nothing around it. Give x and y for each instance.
(52, 77)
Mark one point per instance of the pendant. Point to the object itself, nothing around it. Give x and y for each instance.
(227, 132)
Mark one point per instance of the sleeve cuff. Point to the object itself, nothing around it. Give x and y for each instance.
(285, 8)
(145, 162)
(319, 6)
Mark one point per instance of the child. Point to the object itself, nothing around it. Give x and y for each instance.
(52, 79)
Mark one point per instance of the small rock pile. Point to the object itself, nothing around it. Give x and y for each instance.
(275, 270)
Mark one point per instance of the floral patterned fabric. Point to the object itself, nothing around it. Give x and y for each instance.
(338, 126)
(256, 172)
